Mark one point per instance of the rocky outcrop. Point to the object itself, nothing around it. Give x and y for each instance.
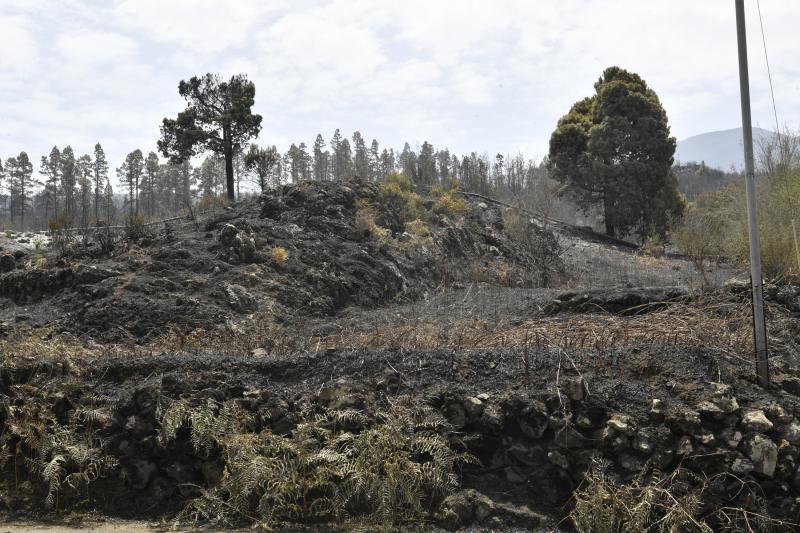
(638, 300)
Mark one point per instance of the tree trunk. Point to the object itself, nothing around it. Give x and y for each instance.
(229, 182)
(610, 229)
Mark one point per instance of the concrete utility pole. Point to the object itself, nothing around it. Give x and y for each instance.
(759, 325)
(796, 244)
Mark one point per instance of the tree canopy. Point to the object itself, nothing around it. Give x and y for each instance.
(218, 118)
(614, 150)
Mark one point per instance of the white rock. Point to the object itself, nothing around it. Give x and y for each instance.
(756, 421)
(792, 432)
(763, 452)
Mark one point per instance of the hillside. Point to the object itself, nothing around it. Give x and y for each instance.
(719, 149)
(283, 360)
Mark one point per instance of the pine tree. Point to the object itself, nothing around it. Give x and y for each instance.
(320, 164)
(261, 161)
(426, 165)
(130, 175)
(218, 118)
(374, 161)
(84, 166)
(614, 150)
(50, 169)
(99, 177)
(21, 183)
(69, 180)
(346, 155)
(2, 176)
(408, 163)
(387, 163)
(303, 162)
(336, 150)
(108, 202)
(149, 183)
(360, 157)
(443, 165)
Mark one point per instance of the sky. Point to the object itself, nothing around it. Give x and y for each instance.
(487, 76)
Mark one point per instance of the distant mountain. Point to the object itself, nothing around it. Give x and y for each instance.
(719, 149)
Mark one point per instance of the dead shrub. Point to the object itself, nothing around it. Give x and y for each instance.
(279, 255)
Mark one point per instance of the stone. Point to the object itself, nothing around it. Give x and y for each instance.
(470, 507)
(685, 446)
(145, 471)
(227, 234)
(704, 436)
(525, 455)
(569, 437)
(533, 420)
(239, 299)
(682, 420)
(709, 409)
(763, 453)
(558, 459)
(791, 432)
(474, 407)
(7, 263)
(643, 444)
(456, 415)
(493, 419)
(515, 475)
(741, 465)
(621, 423)
(777, 414)
(574, 388)
(590, 416)
(630, 462)
(656, 409)
(138, 426)
(754, 420)
(731, 437)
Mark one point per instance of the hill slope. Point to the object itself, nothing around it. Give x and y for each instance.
(719, 149)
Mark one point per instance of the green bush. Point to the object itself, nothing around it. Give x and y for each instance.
(398, 200)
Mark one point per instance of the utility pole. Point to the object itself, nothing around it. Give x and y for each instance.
(759, 325)
(796, 244)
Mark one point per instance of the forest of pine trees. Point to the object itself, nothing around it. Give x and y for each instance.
(78, 191)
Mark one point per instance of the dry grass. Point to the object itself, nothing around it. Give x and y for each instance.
(722, 326)
(279, 255)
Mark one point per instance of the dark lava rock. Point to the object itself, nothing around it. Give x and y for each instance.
(626, 301)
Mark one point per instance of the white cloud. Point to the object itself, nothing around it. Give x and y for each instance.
(474, 75)
(18, 47)
(89, 47)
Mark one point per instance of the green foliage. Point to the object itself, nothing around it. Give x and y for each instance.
(614, 149)
(447, 202)
(398, 200)
(366, 225)
(135, 227)
(703, 233)
(39, 261)
(721, 217)
(218, 118)
(261, 161)
(337, 464)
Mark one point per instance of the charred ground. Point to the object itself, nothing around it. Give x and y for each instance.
(370, 314)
